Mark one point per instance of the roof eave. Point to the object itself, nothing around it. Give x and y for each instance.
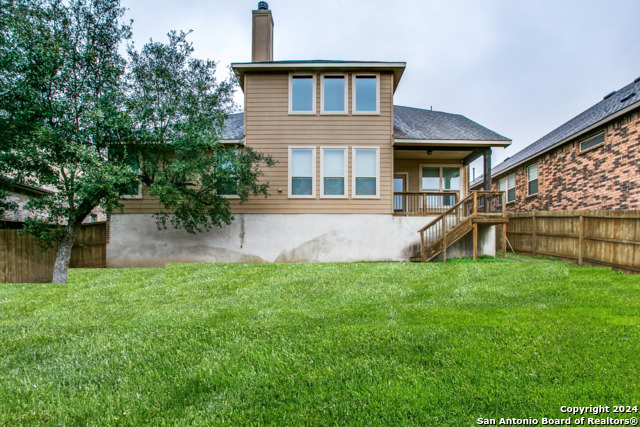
(240, 141)
(451, 142)
(397, 68)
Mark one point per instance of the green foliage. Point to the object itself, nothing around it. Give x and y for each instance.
(178, 108)
(318, 344)
(75, 120)
(61, 107)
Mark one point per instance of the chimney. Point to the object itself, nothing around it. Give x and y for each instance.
(262, 47)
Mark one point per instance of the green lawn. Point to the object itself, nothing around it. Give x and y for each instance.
(334, 344)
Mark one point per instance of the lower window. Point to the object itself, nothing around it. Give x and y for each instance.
(333, 181)
(366, 172)
(441, 179)
(532, 180)
(302, 167)
(508, 185)
(227, 183)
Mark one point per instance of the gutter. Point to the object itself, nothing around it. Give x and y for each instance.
(451, 142)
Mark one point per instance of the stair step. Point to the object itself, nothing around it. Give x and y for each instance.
(455, 234)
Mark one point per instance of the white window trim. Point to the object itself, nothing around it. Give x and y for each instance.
(313, 96)
(441, 165)
(345, 176)
(134, 196)
(506, 191)
(353, 95)
(313, 174)
(346, 96)
(231, 196)
(589, 139)
(537, 179)
(353, 173)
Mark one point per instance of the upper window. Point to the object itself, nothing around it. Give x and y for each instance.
(366, 167)
(333, 169)
(532, 180)
(302, 94)
(508, 185)
(592, 142)
(302, 172)
(366, 94)
(334, 95)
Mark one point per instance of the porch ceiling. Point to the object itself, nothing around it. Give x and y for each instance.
(435, 154)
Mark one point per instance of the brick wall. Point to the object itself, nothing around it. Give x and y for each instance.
(19, 214)
(604, 177)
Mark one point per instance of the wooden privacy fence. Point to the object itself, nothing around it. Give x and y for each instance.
(607, 238)
(22, 261)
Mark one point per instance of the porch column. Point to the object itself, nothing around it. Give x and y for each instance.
(487, 169)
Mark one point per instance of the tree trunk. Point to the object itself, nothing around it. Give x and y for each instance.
(63, 256)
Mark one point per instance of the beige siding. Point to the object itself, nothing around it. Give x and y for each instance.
(270, 129)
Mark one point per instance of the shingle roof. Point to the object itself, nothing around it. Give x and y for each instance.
(408, 123)
(233, 127)
(611, 104)
(415, 123)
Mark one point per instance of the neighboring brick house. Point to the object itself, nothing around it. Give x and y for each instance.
(590, 162)
(19, 195)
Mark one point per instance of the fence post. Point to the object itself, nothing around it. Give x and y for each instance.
(580, 239)
(535, 240)
(504, 240)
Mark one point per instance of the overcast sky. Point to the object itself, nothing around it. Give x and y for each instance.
(520, 68)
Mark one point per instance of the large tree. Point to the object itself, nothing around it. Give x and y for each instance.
(72, 120)
(178, 109)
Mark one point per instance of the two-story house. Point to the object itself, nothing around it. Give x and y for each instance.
(356, 177)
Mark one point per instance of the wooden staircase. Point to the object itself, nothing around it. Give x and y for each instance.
(485, 207)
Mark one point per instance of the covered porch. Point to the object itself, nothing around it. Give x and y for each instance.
(430, 179)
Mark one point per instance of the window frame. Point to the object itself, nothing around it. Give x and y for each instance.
(531, 180)
(354, 104)
(346, 95)
(313, 94)
(231, 196)
(134, 196)
(354, 194)
(506, 191)
(313, 173)
(139, 194)
(345, 176)
(440, 166)
(581, 150)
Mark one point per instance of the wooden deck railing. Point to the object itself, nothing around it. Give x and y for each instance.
(423, 204)
(487, 204)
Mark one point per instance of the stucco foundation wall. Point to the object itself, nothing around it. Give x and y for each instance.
(135, 240)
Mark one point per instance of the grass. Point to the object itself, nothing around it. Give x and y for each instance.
(328, 344)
